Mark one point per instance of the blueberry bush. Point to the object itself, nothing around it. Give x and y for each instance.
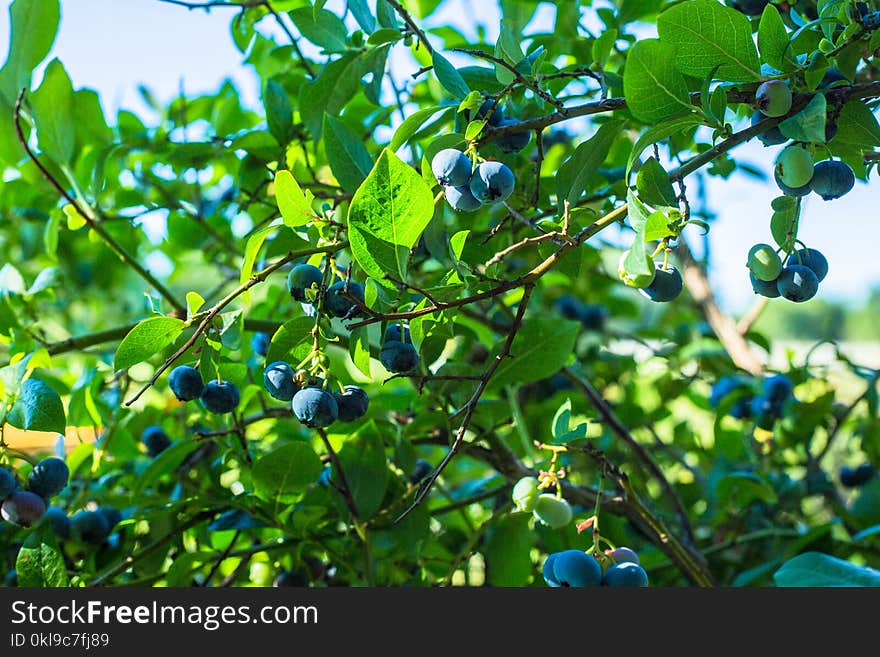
(385, 337)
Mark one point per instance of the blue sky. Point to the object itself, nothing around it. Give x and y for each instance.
(115, 45)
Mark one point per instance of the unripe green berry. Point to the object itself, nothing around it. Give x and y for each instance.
(639, 281)
(764, 263)
(794, 166)
(525, 494)
(552, 511)
(773, 98)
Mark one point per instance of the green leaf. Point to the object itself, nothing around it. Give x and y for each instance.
(348, 157)
(37, 408)
(366, 471)
(52, 106)
(251, 250)
(816, 569)
(707, 34)
(809, 123)
(387, 214)
(783, 223)
(321, 27)
(288, 337)
(279, 112)
(857, 127)
(34, 24)
(285, 472)
(657, 227)
(573, 176)
(359, 349)
(330, 92)
(653, 87)
(740, 489)
(449, 77)
(652, 183)
(40, 562)
(507, 551)
(147, 338)
(663, 130)
(411, 124)
(361, 12)
(541, 347)
(508, 48)
(637, 262)
(168, 461)
(773, 38)
(296, 209)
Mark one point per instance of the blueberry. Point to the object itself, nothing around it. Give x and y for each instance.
(833, 77)
(797, 192)
(577, 569)
(854, 477)
(259, 344)
(811, 259)
(352, 403)
(625, 575)
(764, 263)
(58, 521)
(422, 470)
(220, 397)
(723, 387)
(23, 508)
(302, 278)
(666, 286)
(832, 179)
(156, 440)
(48, 477)
(337, 304)
(7, 483)
(569, 307)
(764, 288)
(765, 411)
(186, 383)
(552, 511)
(593, 316)
(89, 527)
(797, 283)
(461, 199)
(112, 514)
(325, 477)
(624, 555)
(398, 357)
(315, 407)
(397, 332)
(547, 570)
(794, 166)
(493, 110)
(742, 409)
(279, 382)
(514, 142)
(771, 137)
(492, 182)
(525, 494)
(451, 168)
(773, 98)
(777, 388)
(288, 578)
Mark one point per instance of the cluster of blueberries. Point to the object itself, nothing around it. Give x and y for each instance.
(764, 408)
(546, 508)
(467, 188)
(574, 568)
(398, 354)
(26, 507)
(662, 284)
(219, 397)
(797, 280)
(592, 316)
(492, 113)
(306, 277)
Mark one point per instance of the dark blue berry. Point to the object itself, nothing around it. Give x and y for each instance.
(625, 575)
(577, 569)
(811, 259)
(398, 356)
(58, 521)
(315, 407)
(279, 381)
(220, 397)
(451, 168)
(337, 304)
(492, 182)
(666, 286)
(260, 344)
(352, 403)
(832, 179)
(155, 440)
(48, 477)
(23, 508)
(301, 278)
(797, 283)
(185, 382)
(89, 527)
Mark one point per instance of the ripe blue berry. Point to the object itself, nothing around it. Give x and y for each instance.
(259, 344)
(451, 168)
(577, 569)
(832, 179)
(112, 514)
(220, 397)
(771, 137)
(315, 407)
(625, 575)
(397, 332)
(48, 477)
(352, 403)
(723, 387)
(461, 199)
(337, 304)
(492, 110)
(797, 192)
(398, 356)
(547, 570)
(492, 182)
(767, 289)
(777, 388)
(811, 259)
(89, 527)
(422, 470)
(155, 440)
(7, 483)
(279, 382)
(797, 283)
(185, 382)
(301, 278)
(58, 521)
(514, 142)
(666, 286)
(624, 555)
(854, 477)
(23, 508)
(287, 578)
